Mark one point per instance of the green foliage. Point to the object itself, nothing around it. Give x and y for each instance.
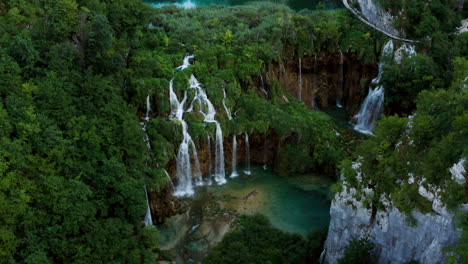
(359, 252)
(407, 153)
(404, 81)
(254, 240)
(458, 253)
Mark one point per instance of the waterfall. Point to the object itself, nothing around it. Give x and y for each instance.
(148, 218)
(372, 107)
(247, 155)
(405, 49)
(148, 107)
(262, 86)
(234, 157)
(186, 62)
(228, 112)
(145, 137)
(170, 180)
(339, 94)
(185, 171)
(208, 111)
(184, 168)
(219, 157)
(299, 96)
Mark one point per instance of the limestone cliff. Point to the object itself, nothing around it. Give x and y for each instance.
(396, 241)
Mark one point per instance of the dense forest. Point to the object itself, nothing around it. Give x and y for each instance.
(75, 75)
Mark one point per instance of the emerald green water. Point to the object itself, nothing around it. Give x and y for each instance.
(294, 4)
(293, 204)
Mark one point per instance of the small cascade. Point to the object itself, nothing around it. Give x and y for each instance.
(405, 50)
(372, 107)
(299, 94)
(234, 157)
(207, 109)
(247, 155)
(148, 218)
(262, 86)
(228, 112)
(170, 180)
(146, 137)
(339, 94)
(186, 62)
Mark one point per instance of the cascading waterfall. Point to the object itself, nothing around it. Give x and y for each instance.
(299, 95)
(247, 155)
(184, 167)
(339, 94)
(372, 107)
(208, 111)
(234, 157)
(148, 218)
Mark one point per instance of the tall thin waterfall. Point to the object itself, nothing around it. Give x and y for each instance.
(148, 218)
(247, 155)
(339, 94)
(299, 94)
(234, 157)
(372, 107)
(262, 86)
(220, 175)
(148, 107)
(228, 112)
(208, 111)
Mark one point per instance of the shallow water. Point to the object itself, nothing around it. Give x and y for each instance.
(294, 204)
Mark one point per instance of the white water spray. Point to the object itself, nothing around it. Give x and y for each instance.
(234, 157)
(247, 155)
(228, 112)
(148, 218)
(372, 107)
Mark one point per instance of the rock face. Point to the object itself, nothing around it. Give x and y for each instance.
(326, 78)
(396, 242)
(375, 15)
